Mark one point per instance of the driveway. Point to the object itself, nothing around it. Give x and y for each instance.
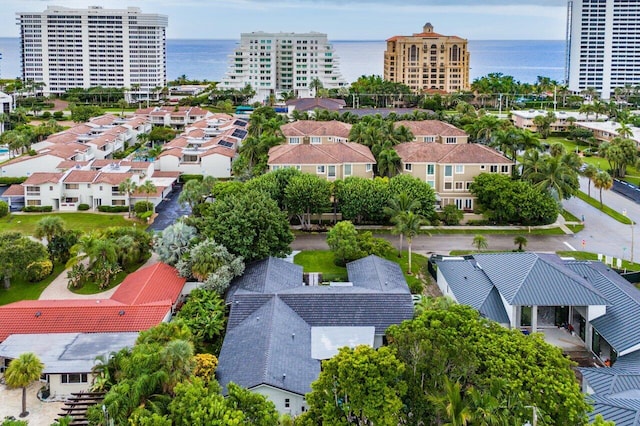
(169, 210)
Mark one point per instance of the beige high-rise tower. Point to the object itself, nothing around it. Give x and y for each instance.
(428, 62)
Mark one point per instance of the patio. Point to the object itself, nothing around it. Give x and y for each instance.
(40, 413)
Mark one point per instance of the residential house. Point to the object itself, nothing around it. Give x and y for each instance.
(68, 358)
(434, 131)
(339, 160)
(606, 131)
(207, 147)
(178, 117)
(543, 292)
(451, 168)
(279, 329)
(316, 132)
(311, 104)
(564, 119)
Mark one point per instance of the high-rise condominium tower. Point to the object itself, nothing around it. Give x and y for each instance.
(603, 45)
(66, 48)
(272, 63)
(428, 61)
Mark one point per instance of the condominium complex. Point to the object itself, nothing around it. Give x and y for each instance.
(428, 62)
(603, 42)
(272, 63)
(66, 48)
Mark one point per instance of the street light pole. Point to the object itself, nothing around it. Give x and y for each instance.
(534, 418)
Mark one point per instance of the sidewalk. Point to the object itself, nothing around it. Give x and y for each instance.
(58, 288)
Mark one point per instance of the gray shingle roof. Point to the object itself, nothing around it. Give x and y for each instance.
(272, 312)
(378, 274)
(538, 279)
(621, 324)
(472, 287)
(271, 346)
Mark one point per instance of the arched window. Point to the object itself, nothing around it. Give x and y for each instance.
(454, 53)
(413, 53)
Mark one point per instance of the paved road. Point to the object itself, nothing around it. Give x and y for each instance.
(169, 210)
(601, 234)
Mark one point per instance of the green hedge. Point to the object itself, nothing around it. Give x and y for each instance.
(37, 209)
(113, 209)
(186, 178)
(11, 180)
(83, 207)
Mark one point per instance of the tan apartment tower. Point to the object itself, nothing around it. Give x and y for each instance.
(428, 62)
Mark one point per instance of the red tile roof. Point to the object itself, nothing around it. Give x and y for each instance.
(15, 190)
(338, 153)
(113, 178)
(142, 301)
(470, 153)
(81, 176)
(38, 178)
(317, 128)
(431, 128)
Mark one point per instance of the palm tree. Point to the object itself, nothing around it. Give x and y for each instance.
(49, 227)
(148, 188)
(128, 187)
(451, 405)
(178, 362)
(590, 172)
(520, 241)
(21, 372)
(409, 225)
(388, 162)
(555, 176)
(480, 242)
(602, 180)
(400, 205)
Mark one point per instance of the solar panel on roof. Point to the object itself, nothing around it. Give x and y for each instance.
(226, 144)
(240, 123)
(239, 133)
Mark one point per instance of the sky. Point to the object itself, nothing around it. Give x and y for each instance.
(340, 19)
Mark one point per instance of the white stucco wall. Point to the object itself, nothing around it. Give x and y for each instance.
(45, 163)
(297, 403)
(59, 389)
(216, 165)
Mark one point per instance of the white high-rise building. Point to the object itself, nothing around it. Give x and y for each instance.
(273, 63)
(603, 45)
(66, 48)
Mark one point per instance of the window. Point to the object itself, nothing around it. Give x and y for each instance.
(368, 167)
(459, 186)
(451, 140)
(74, 378)
(448, 171)
(504, 169)
(468, 204)
(459, 169)
(468, 186)
(429, 139)
(315, 140)
(431, 183)
(51, 188)
(347, 169)
(275, 167)
(407, 167)
(320, 170)
(287, 403)
(447, 185)
(431, 169)
(118, 203)
(494, 169)
(33, 202)
(294, 141)
(71, 186)
(483, 167)
(332, 171)
(459, 203)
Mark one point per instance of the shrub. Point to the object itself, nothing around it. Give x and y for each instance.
(45, 115)
(186, 178)
(142, 207)
(145, 215)
(11, 180)
(37, 209)
(415, 287)
(37, 271)
(4, 208)
(113, 209)
(83, 207)
(58, 115)
(451, 215)
(479, 222)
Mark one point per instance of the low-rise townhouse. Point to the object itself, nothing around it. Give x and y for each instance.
(175, 117)
(208, 147)
(94, 183)
(524, 119)
(450, 168)
(606, 131)
(316, 132)
(434, 131)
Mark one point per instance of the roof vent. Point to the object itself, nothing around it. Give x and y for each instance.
(293, 335)
(121, 313)
(465, 277)
(38, 314)
(284, 376)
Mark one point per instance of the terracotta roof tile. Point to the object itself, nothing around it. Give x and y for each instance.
(81, 176)
(15, 190)
(161, 174)
(220, 150)
(338, 153)
(70, 164)
(39, 178)
(155, 283)
(420, 152)
(431, 128)
(317, 128)
(113, 178)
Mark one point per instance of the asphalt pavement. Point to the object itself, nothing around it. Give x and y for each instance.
(169, 210)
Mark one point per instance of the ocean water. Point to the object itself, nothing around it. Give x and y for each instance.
(209, 59)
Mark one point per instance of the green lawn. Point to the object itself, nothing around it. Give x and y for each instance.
(322, 261)
(85, 222)
(605, 209)
(24, 290)
(534, 231)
